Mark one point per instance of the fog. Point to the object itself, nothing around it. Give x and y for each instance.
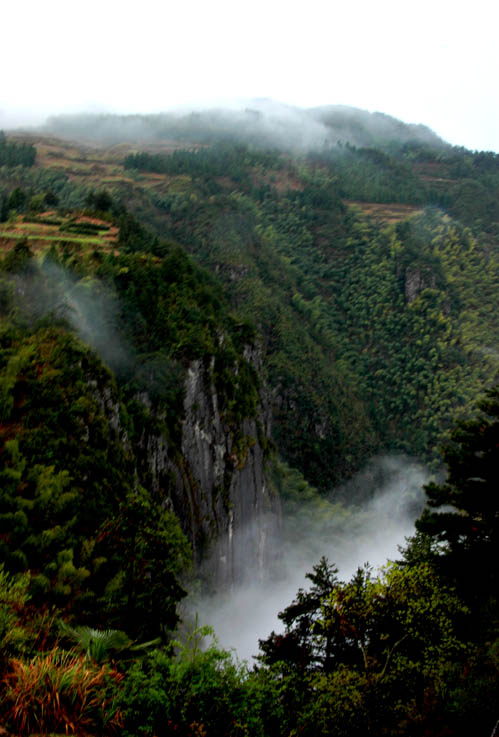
(261, 122)
(92, 312)
(437, 65)
(388, 497)
(86, 305)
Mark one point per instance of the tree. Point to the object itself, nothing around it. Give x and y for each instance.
(375, 651)
(17, 199)
(16, 154)
(463, 513)
(305, 644)
(4, 208)
(147, 550)
(99, 200)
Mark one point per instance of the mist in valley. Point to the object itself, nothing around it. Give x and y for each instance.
(385, 499)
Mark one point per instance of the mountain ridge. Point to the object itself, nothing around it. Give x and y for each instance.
(262, 122)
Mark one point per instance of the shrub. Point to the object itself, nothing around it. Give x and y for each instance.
(61, 692)
(195, 693)
(13, 597)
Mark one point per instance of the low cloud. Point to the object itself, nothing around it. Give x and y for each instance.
(91, 310)
(388, 497)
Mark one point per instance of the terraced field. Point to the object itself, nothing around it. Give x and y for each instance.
(99, 165)
(49, 228)
(387, 213)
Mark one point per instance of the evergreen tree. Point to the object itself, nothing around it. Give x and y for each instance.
(463, 513)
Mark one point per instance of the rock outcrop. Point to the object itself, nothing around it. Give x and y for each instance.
(416, 279)
(216, 482)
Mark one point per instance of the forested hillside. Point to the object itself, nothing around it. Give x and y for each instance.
(196, 318)
(351, 297)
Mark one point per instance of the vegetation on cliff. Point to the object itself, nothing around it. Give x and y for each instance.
(367, 274)
(411, 650)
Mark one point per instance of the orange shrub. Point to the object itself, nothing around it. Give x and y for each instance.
(61, 692)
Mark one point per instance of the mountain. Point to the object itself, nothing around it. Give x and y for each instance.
(208, 323)
(262, 122)
(359, 266)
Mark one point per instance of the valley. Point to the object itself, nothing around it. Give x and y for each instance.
(225, 354)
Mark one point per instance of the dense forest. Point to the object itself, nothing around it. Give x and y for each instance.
(16, 154)
(206, 327)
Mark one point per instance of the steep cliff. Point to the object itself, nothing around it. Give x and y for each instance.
(215, 479)
(177, 421)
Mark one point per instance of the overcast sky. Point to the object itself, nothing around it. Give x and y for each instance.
(434, 62)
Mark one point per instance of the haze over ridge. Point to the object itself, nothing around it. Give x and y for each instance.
(260, 122)
(437, 65)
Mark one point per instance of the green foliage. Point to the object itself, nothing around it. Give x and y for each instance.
(373, 653)
(84, 228)
(99, 200)
(347, 309)
(17, 200)
(19, 258)
(463, 512)
(96, 644)
(471, 458)
(206, 164)
(321, 282)
(372, 175)
(16, 154)
(472, 692)
(39, 202)
(186, 305)
(337, 703)
(252, 250)
(306, 643)
(147, 549)
(13, 599)
(173, 313)
(68, 498)
(306, 513)
(199, 692)
(408, 329)
(58, 188)
(72, 509)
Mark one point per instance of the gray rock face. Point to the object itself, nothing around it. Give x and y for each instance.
(417, 279)
(216, 484)
(212, 476)
(106, 396)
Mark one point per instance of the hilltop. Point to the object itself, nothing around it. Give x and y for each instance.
(262, 122)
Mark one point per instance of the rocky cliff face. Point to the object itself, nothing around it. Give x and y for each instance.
(417, 279)
(215, 481)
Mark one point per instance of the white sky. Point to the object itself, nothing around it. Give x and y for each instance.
(434, 62)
